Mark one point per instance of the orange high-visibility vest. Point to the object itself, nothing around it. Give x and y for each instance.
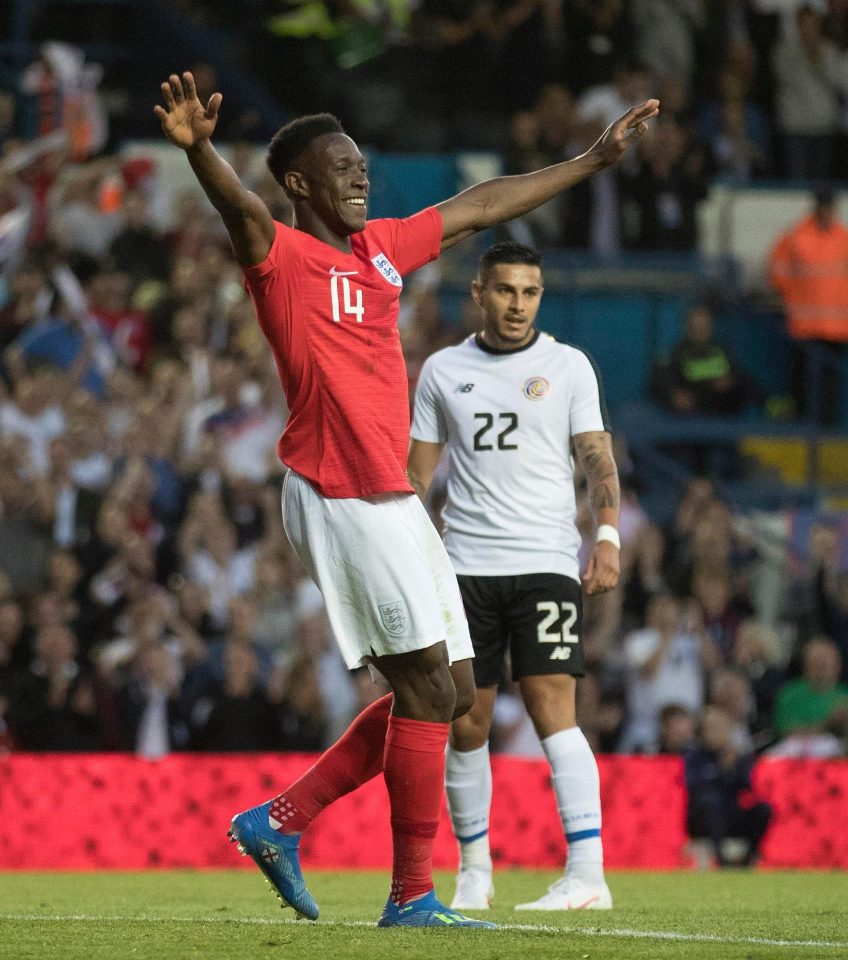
(809, 268)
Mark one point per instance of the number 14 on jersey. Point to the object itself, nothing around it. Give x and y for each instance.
(351, 308)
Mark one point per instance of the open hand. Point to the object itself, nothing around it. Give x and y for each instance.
(185, 121)
(619, 135)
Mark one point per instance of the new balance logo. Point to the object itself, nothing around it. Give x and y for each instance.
(464, 388)
(560, 653)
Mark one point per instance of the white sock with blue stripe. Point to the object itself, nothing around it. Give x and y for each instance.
(577, 787)
(468, 784)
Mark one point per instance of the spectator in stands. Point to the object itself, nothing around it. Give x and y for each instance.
(28, 300)
(699, 376)
(65, 582)
(137, 249)
(642, 559)
(35, 415)
(11, 630)
(213, 561)
(666, 663)
(731, 691)
(24, 543)
(275, 598)
(810, 78)
(524, 154)
(834, 603)
(711, 589)
(667, 34)
(86, 220)
(811, 575)
(12, 647)
(596, 31)
(241, 628)
(152, 711)
(236, 715)
(592, 211)
(712, 562)
(190, 344)
(808, 266)
(92, 459)
(756, 654)
(193, 608)
(66, 508)
(111, 530)
(811, 714)
(660, 195)
(9, 636)
(677, 729)
(301, 723)
(736, 132)
(68, 340)
(247, 427)
(54, 707)
(720, 804)
(109, 294)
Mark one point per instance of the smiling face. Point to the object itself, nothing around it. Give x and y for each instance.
(509, 295)
(333, 181)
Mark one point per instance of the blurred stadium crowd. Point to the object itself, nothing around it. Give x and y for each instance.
(148, 599)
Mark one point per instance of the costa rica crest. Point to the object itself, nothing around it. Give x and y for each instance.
(536, 387)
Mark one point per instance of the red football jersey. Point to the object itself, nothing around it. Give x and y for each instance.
(331, 320)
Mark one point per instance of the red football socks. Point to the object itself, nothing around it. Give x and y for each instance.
(414, 768)
(355, 758)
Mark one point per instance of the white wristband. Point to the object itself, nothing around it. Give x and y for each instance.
(608, 532)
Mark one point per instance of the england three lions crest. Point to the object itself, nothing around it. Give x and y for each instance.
(395, 618)
(387, 268)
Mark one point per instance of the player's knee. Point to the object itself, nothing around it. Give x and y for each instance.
(466, 691)
(426, 691)
(443, 690)
(469, 732)
(551, 705)
(464, 700)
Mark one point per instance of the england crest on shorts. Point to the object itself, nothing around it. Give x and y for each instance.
(395, 618)
(386, 267)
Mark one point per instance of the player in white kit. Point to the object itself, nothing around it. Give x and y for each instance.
(510, 404)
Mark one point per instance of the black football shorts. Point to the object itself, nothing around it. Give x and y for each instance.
(535, 617)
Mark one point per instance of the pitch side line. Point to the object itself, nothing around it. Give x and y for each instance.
(618, 932)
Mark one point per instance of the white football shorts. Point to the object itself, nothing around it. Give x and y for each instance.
(385, 576)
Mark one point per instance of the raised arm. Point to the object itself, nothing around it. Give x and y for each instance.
(594, 453)
(423, 460)
(189, 125)
(504, 198)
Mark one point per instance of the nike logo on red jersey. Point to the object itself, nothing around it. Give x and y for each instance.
(342, 273)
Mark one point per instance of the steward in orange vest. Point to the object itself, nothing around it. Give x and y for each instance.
(809, 268)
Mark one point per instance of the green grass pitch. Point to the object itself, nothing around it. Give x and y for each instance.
(226, 915)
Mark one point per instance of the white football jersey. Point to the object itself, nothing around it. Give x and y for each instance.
(507, 419)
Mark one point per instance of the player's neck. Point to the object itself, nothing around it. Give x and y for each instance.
(306, 221)
(492, 343)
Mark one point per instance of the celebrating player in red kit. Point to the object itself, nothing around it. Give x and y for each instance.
(326, 296)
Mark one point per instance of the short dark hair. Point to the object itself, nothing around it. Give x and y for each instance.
(673, 710)
(291, 140)
(508, 252)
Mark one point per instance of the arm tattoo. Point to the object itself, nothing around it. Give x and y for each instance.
(594, 451)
